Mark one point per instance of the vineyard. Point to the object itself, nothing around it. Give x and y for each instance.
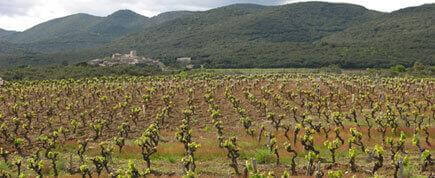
(216, 125)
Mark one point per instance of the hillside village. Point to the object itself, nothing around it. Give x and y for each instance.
(126, 59)
(133, 59)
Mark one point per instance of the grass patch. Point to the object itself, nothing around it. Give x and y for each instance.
(167, 158)
(262, 155)
(4, 166)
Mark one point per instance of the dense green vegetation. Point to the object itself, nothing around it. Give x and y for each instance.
(242, 36)
(82, 31)
(78, 31)
(79, 71)
(7, 48)
(309, 34)
(5, 33)
(75, 72)
(402, 36)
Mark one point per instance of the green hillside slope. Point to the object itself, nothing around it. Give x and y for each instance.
(248, 35)
(308, 34)
(4, 33)
(405, 35)
(79, 31)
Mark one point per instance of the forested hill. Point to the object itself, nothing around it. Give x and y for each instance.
(308, 34)
(247, 35)
(404, 36)
(78, 31)
(5, 33)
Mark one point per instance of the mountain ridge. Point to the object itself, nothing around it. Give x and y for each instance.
(208, 32)
(306, 34)
(4, 33)
(78, 31)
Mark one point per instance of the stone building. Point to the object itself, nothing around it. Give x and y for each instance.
(133, 54)
(116, 55)
(187, 60)
(130, 59)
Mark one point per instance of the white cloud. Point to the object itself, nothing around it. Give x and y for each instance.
(23, 14)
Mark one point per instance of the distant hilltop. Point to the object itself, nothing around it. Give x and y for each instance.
(126, 59)
(296, 35)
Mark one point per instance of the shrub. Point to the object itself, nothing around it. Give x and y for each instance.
(264, 156)
(398, 68)
(335, 69)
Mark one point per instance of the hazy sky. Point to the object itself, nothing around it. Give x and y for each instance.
(23, 14)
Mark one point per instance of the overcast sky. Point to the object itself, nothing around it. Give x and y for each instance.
(23, 14)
